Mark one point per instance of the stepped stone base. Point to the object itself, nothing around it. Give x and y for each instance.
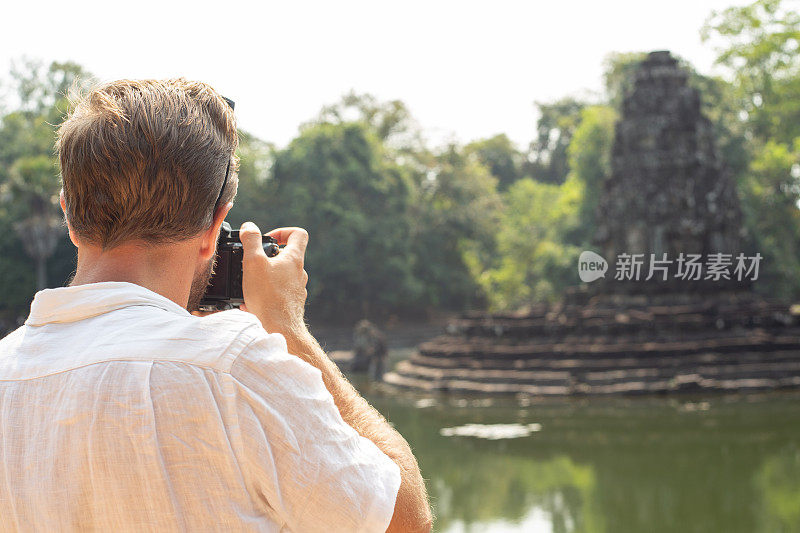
(731, 342)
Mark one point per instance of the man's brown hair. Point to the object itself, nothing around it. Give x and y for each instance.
(145, 160)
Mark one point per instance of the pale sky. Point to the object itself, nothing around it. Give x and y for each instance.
(466, 70)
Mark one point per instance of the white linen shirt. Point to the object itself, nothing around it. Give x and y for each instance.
(121, 411)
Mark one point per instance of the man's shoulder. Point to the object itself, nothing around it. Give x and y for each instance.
(255, 343)
(246, 324)
(223, 336)
(133, 334)
(11, 339)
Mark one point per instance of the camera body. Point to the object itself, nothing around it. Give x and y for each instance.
(225, 287)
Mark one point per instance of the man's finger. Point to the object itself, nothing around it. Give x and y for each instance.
(250, 236)
(295, 239)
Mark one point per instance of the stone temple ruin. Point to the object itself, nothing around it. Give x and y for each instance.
(669, 199)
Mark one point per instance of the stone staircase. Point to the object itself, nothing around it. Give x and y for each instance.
(728, 343)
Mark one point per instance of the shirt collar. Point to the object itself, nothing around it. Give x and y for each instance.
(76, 302)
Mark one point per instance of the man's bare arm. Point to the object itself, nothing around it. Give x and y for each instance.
(412, 512)
(274, 290)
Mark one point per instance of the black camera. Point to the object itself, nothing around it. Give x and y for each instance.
(225, 287)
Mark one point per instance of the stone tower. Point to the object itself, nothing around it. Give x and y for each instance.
(668, 192)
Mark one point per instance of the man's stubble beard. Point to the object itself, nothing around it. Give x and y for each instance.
(200, 284)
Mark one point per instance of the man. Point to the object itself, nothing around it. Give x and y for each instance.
(122, 411)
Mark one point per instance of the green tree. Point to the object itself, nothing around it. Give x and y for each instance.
(544, 226)
(590, 164)
(253, 201)
(334, 181)
(35, 198)
(450, 201)
(390, 121)
(29, 181)
(502, 158)
(547, 158)
(454, 213)
(758, 43)
(771, 192)
(532, 258)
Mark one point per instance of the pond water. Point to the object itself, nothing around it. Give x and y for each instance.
(683, 464)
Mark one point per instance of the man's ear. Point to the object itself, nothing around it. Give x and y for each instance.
(208, 244)
(63, 203)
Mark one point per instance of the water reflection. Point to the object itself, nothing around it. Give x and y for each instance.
(778, 481)
(722, 464)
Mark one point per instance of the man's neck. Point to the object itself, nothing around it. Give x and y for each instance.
(164, 269)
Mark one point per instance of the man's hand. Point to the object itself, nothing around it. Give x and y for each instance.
(274, 288)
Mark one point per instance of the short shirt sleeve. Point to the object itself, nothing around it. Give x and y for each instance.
(298, 455)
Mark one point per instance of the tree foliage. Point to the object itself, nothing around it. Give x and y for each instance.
(758, 43)
(501, 157)
(547, 160)
(545, 226)
(455, 211)
(29, 182)
(333, 181)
